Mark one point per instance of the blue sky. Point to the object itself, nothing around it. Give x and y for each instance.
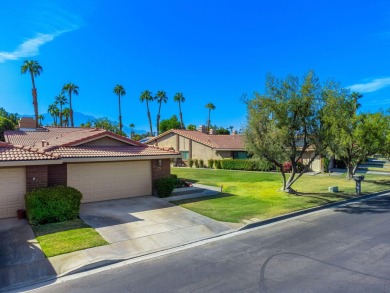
(212, 51)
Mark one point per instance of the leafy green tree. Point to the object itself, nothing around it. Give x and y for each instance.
(119, 90)
(351, 136)
(171, 123)
(147, 97)
(160, 97)
(35, 70)
(5, 124)
(71, 88)
(14, 117)
(285, 122)
(179, 98)
(60, 100)
(87, 124)
(209, 106)
(191, 127)
(54, 112)
(40, 119)
(65, 117)
(105, 123)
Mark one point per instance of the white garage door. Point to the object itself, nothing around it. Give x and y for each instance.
(12, 191)
(112, 180)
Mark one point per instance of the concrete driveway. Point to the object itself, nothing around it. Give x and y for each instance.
(148, 221)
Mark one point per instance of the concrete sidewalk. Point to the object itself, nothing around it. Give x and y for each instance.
(134, 227)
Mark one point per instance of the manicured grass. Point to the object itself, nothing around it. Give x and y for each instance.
(249, 195)
(65, 237)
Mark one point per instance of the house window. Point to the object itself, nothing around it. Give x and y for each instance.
(184, 155)
(239, 155)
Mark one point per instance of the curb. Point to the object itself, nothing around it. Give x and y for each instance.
(310, 210)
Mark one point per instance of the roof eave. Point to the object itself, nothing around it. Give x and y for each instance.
(111, 159)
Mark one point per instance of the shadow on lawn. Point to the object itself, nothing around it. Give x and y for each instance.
(203, 198)
(326, 197)
(385, 182)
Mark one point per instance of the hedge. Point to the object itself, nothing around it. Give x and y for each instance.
(52, 204)
(244, 164)
(166, 185)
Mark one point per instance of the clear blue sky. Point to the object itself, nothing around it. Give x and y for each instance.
(212, 51)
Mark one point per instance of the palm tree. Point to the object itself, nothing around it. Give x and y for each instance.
(356, 96)
(209, 106)
(146, 96)
(54, 112)
(70, 88)
(160, 97)
(66, 115)
(131, 130)
(180, 99)
(35, 69)
(60, 100)
(120, 91)
(40, 119)
(231, 129)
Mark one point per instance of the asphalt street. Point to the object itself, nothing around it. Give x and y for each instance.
(345, 249)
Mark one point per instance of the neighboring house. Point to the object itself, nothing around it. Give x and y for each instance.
(99, 163)
(198, 144)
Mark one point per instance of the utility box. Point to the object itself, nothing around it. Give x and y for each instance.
(333, 189)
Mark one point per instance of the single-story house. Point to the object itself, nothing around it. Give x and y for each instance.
(99, 163)
(200, 144)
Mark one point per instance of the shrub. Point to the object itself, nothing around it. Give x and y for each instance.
(300, 167)
(246, 164)
(52, 204)
(191, 162)
(196, 162)
(210, 163)
(166, 185)
(5, 124)
(201, 163)
(326, 164)
(217, 164)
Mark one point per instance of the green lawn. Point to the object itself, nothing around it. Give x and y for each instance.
(249, 195)
(65, 237)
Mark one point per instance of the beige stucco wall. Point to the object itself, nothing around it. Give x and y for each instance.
(316, 165)
(166, 142)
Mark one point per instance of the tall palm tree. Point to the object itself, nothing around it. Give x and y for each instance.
(180, 99)
(119, 90)
(209, 106)
(131, 129)
(66, 115)
(147, 97)
(71, 88)
(54, 112)
(160, 97)
(61, 101)
(35, 69)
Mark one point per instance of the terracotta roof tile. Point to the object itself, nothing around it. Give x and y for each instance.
(12, 153)
(110, 151)
(215, 141)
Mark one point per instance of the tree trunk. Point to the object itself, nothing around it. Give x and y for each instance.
(158, 119)
(35, 99)
(181, 117)
(208, 122)
(61, 115)
(70, 110)
(120, 114)
(150, 119)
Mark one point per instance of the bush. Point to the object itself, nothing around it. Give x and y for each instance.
(326, 164)
(191, 162)
(217, 164)
(210, 163)
(201, 163)
(196, 162)
(287, 167)
(166, 185)
(52, 204)
(5, 124)
(246, 164)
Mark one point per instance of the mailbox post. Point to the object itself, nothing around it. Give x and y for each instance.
(358, 180)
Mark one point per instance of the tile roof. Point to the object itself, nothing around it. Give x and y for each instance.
(19, 153)
(110, 151)
(65, 143)
(215, 141)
